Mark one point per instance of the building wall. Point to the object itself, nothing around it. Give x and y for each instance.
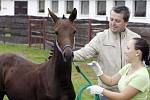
(7, 8)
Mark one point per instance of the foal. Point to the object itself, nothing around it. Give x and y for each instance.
(21, 79)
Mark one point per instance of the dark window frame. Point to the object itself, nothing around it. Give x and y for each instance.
(53, 6)
(0, 4)
(99, 11)
(21, 7)
(140, 12)
(68, 8)
(84, 10)
(119, 3)
(41, 6)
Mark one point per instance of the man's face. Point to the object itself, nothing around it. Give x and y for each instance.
(116, 23)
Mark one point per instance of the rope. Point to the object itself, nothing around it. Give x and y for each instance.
(89, 83)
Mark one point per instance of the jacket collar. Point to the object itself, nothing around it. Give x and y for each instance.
(112, 37)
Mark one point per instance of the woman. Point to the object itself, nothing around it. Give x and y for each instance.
(133, 79)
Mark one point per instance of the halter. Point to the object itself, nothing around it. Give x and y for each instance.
(62, 50)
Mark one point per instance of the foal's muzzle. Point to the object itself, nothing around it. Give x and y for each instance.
(67, 53)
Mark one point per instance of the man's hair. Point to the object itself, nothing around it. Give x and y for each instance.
(123, 10)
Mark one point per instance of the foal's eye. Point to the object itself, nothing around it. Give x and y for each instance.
(74, 32)
(56, 33)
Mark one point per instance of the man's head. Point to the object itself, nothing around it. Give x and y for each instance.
(119, 17)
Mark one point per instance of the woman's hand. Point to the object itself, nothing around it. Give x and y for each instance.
(96, 67)
(95, 89)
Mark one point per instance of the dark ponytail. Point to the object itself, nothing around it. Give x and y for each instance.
(142, 45)
(147, 61)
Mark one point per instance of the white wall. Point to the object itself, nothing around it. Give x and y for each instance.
(61, 8)
(32, 7)
(109, 5)
(7, 8)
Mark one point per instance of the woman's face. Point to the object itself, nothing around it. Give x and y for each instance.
(116, 23)
(131, 53)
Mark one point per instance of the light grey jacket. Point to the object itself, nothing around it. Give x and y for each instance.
(109, 47)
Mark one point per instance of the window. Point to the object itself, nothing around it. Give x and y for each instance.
(101, 7)
(41, 5)
(85, 7)
(55, 6)
(21, 7)
(119, 3)
(69, 7)
(0, 4)
(140, 8)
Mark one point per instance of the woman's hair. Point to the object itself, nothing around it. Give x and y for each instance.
(141, 44)
(123, 10)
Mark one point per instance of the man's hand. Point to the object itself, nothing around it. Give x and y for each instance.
(95, 89)
(96, 67)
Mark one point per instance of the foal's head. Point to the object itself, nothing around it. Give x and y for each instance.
(65, 30)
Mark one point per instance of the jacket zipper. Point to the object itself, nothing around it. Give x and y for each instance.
(120, 51)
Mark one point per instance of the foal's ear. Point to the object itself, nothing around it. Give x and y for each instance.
(53, 16)
(73, 15)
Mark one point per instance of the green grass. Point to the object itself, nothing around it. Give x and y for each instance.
(39, 56)
(34, 54)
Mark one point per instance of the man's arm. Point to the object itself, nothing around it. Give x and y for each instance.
(89, 50)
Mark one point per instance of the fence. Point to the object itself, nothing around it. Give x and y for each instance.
(15, 29)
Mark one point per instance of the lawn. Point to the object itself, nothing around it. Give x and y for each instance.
(39, 56)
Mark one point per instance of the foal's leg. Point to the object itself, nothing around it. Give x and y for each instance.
(2, 95)
(68, 94)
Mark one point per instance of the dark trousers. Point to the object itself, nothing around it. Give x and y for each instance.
(104, 98)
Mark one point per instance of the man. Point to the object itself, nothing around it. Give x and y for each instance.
(109, 45)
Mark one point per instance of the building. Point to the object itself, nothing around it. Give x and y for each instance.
(87, 9)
